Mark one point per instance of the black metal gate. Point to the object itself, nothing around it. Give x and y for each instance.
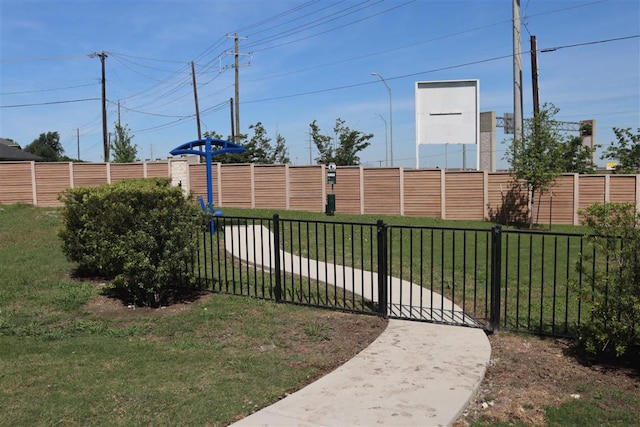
(485, 278)
(399, 272)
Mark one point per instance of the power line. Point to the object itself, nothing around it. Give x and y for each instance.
(48, 58)
(450, 67)
(47, 90)
(340, 27)
(552, 49)
(50, 103)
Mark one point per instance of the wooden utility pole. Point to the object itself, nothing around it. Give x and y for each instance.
(105, 142)
(195, 97)
(233, 132)
(236, 66)
(534, 76)
(517, 73)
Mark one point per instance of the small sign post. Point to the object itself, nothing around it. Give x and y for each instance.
(330, 207)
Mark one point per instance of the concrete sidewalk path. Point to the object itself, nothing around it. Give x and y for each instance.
(413, 374)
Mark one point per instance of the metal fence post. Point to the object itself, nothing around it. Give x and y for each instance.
(383, 274)
(496, 270)
(276, 261)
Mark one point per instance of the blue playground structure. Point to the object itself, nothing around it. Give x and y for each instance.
(212, 147)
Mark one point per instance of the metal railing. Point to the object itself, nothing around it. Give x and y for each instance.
(490, 278)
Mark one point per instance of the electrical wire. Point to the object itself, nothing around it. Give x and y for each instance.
(450, 67)
(48, 90)
(50, 103)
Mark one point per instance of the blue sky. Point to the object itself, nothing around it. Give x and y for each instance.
(304, 61)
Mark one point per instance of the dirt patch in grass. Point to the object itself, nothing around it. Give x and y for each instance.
(527, 374)
(111, 305)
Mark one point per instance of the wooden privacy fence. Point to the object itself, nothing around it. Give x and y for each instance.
(461, 195)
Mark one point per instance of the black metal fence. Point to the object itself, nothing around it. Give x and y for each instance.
(488, 278)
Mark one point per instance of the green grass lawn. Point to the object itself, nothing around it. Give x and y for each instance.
(64, 363)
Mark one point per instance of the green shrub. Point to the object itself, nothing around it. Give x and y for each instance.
(614, 286)
(141, 234)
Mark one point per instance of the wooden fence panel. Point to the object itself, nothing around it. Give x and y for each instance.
(270, 184)
(305, 188)
(51, 180)
(382, 191)
(120, 171)
(15, 182)
(236, 186)
(347, 190)
(198, 182)
(622, 188)
(464, 195)
(89, 174)
(556, 205)
(157, 169)
(592, 189)
(507, 201)
(423, 193)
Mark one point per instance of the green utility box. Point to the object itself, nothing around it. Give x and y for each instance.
(330, 207)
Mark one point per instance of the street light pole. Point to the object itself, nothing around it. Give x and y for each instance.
(390, 114)
(386, 141)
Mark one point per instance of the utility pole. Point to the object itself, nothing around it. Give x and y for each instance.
(534, 76)
(195, 97)
(233, 132)
(310, 149)
(103, 56)
(119, 114)
(236, 66)
(517, 73)
(78, 139)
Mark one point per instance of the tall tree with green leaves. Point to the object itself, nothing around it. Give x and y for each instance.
(123, 151)
(258, 147)
(323, 143)
(344, 151)
(229, 158)
(626, 150)
(576, 157)
(47, 146)
(280, 153)
(534, 158)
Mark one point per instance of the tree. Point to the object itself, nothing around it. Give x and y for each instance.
(280, 152)
(229, 158)
(122, 149)
(323, 144)
(259, 147)
(534, 159)
(349, 143)
(626, 151)
(575, 157)
(47, 146)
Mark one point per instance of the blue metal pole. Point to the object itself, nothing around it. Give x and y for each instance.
(209, 177)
